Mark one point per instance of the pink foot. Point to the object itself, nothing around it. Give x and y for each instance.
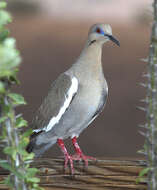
(79, 155)
(67, 157)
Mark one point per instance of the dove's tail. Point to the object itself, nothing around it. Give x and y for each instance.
(39, 149)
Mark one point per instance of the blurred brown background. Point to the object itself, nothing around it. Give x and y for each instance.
(50, 35)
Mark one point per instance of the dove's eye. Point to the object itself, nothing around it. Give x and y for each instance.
(100, 31)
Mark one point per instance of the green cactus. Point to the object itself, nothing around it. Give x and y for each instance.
(150, 146)
(21, 177)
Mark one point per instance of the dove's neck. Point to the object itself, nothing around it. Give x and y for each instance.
(89, 62)
(91, 54)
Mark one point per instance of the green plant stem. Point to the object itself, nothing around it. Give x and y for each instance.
(13, 141)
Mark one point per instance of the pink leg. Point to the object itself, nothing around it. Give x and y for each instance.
(79, 154)
(67, 157)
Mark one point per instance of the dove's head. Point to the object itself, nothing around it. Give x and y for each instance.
(101, 33)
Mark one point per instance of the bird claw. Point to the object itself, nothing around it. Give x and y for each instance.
(76, 157)
(82, 157)
(69, 159)
(79, 154)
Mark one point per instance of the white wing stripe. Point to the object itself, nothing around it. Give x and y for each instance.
(72, 90)
(37, 130)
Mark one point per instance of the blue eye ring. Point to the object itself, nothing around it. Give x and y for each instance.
(100, 31)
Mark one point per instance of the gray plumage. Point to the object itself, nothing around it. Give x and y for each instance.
(75, 98)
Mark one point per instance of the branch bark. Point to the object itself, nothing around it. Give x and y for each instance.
(104, 174)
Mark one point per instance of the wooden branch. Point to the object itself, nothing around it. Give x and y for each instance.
(104, 174)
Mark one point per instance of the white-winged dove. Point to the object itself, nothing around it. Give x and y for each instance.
(75, 99)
